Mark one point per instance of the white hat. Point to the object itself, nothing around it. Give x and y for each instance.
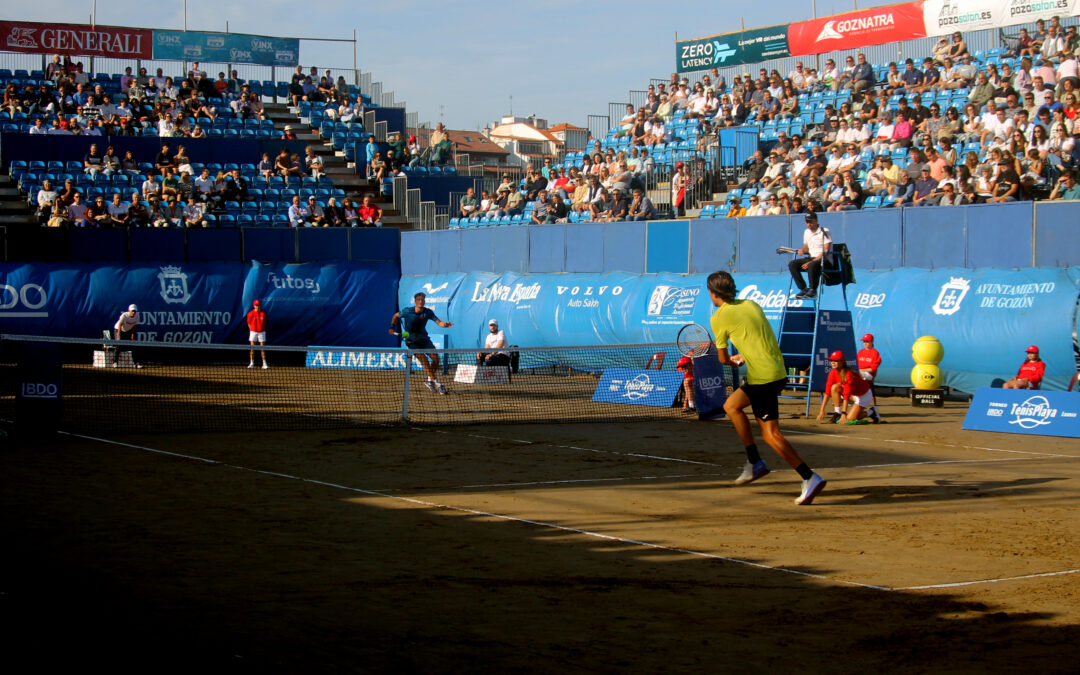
(493, 322)
(132, 308)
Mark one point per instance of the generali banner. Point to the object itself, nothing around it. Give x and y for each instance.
(891, 23)
(75, 39)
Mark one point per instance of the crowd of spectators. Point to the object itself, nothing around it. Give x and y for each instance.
(944, 130)
(68, 102)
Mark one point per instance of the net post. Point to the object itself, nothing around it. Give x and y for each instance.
(405, 394)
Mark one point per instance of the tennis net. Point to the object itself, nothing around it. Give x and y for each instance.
(106, 386)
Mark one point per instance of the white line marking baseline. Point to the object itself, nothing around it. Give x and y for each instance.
(555, 526)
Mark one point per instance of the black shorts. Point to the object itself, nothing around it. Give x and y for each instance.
(763, 398)
(419, 343)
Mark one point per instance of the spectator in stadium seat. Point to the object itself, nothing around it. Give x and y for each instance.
(1031, 372)
(1006, 183)
(1066, 188)
(287, 133)
(118, 211)
(467, 206)
(620, 207)
(1053, 45)
(912, 77)
(316, 214)
(369, 213)
(298, 213)
(96, 214)
(138, 215)
(93, 162)
(313, 163)
(862, 78)
(641, 207)
(924, 187)
(45, 199)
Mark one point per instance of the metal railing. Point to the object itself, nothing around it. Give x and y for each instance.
(598, 125)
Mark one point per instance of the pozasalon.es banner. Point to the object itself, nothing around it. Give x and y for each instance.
(946, 16)
(75, 39)
(732, 49)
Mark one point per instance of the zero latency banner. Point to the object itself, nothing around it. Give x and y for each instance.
(732, 49)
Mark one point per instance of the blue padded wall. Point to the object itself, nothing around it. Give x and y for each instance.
(547, 248)
(476, 249)
(158, 245)
(415, 253)
(624, 248)
(98, 245)
(214, 245)
(511, 252)
(585, 248)
(758, 239)
(375, 243)
(1056, 240)
(713, 245)
(445, 251)
(875, 238)
(668, 247)
(269, 244)
(999, 235)
(935, 236)
(323, 244)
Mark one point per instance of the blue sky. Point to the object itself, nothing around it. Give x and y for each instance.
(560, 59)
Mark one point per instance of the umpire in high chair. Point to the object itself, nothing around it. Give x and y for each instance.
(817, 244)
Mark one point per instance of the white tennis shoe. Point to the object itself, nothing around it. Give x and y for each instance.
(751, 472)
(810, 489)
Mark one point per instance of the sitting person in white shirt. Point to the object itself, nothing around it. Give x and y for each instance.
(496, 339)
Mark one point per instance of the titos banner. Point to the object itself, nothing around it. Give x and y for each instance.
(226, 48)
(890, 23)
(342, 304)
(732, 49)
(985, 318)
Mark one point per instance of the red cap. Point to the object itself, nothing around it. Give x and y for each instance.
(678, 165)
(837, 356)
(869, 337)
(1032, 350)
(684, 361)
(256, 303)
(412, 138)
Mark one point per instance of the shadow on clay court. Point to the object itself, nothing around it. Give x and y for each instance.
(940, 490)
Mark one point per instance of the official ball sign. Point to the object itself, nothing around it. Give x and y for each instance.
(655, 388)
(1020, 411)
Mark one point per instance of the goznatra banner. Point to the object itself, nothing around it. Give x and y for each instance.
(890, 23)
(75, 39)
(732, 49)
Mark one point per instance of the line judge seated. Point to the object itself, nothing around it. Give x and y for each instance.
(495, 339)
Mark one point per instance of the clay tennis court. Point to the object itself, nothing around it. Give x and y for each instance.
(577, 547)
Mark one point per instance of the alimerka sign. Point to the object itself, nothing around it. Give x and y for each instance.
(76, 39)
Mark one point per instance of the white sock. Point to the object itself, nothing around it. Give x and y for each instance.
(836, 409)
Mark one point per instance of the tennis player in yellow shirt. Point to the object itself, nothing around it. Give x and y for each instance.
(743, 323)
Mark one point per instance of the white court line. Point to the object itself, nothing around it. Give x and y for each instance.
(563, 528)
(986, 581)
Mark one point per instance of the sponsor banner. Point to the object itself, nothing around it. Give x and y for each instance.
(710, 386)
(656, 388)
(225, 48)
(834, 331)
(863, 28)
(358, 359)
(1029, 11)
(1020, 411)
(343, 303)
(75, 39)
(943, 17)
(467, 373)
(732, 49)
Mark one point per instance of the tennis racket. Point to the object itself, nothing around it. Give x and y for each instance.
(693, 340)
